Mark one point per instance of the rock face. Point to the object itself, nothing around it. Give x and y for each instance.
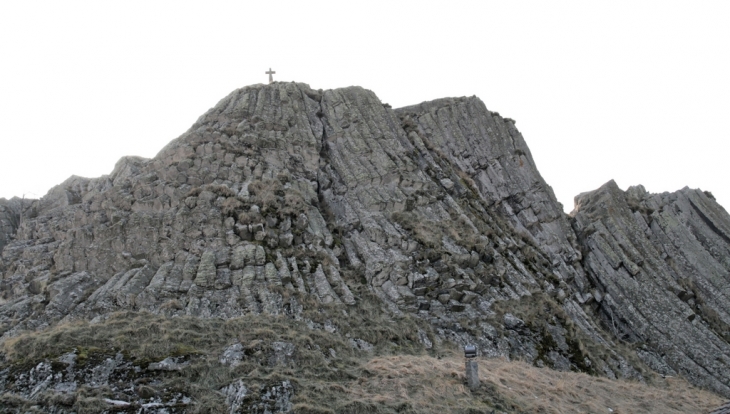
(659, 265)
(282, 197)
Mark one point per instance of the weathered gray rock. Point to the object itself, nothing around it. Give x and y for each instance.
(232, 355)
(62, 376)
(235, 394)
(282, 353)
(361, 345)
(513, 322)
(324, 289)
(206, 270)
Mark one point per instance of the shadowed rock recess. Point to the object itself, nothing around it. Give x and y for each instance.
(286, 201)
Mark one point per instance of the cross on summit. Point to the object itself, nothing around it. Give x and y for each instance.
(271, 78)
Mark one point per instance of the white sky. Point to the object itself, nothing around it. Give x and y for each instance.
(637, 91)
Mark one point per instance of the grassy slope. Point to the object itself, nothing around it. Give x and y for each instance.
(396, 376)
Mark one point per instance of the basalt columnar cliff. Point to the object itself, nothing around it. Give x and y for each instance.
(333, 212)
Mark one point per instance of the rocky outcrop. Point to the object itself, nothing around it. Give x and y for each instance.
(282, 199)
(659, 265)
(488, 153)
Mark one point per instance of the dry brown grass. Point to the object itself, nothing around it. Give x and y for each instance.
(426, 383)
(430, 384)
(466, 178)
(548, 391)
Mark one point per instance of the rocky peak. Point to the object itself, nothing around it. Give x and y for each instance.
(282, 199)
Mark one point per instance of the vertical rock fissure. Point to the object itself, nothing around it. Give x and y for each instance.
(323, 158)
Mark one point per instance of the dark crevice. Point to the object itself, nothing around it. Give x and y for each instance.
(324, 148)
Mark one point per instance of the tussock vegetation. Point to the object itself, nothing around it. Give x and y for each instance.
(327, 373)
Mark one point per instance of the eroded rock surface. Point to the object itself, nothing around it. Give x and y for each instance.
(282, 197)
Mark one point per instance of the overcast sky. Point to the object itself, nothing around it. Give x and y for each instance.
(636, 91)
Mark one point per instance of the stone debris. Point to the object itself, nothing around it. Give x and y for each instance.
(232, 355)
(63, 376)
(116, 403)
(167, 364)
(512, 322)
(235, 394)
(361, 345)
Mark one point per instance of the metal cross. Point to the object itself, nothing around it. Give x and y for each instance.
(271, 78)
